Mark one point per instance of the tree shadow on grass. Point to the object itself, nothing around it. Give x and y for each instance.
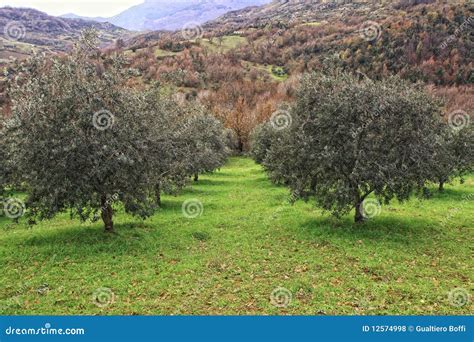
(209, 182)
(451, 195)
(82, 243)
(393, 229)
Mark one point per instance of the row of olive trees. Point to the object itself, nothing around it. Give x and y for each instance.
(79, 138)
(348, 138)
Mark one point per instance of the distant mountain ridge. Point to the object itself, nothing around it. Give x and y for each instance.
(75, 16)
(172, 14)
(23, 30)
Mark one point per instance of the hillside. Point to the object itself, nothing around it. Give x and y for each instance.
(238, 60)
(246, 63)
(429, 42)
(23, 30)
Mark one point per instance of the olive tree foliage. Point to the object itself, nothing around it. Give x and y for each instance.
(4, 169)
(204, 138)
(261, 140)
(173, 153)
(78, 138)
(353, 137)
(454, 156)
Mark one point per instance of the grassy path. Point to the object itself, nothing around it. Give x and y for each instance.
(247, 242)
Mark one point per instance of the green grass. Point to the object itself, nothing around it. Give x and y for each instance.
(267, 68)
(247, 242)
(228, 43)
(313, 23)
(159, 53)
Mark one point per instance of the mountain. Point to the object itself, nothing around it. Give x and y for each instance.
(289, 12)
(173, 14)
(23, 30)
(74, 16)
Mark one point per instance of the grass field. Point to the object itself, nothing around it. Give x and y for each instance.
(248, 242)
(228, 43)
(266, 68)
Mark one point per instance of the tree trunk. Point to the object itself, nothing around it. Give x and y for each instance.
(240, 145)
(107, 214)
(158, 194)
(196, 177)
(441, 186)
(359, 209)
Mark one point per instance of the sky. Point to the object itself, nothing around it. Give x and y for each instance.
(88, 8)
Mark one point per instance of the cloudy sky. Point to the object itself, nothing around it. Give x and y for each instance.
(89, 8)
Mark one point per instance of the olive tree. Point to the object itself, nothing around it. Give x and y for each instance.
(170, 154)
(454, 155)
(3, 162)
(204, 139)
(353, 137)
(261, 140)
(76, 137)
(187, 142)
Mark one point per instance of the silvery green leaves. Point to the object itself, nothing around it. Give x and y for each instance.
(353, 137)
(454, 154)
(204, 134)
(82, 140)
(189, 141)
(261, 139)
(68, 160)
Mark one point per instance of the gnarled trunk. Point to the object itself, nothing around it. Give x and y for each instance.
(441, 186)
(196, 177)
(158, 194)
(107, 214)
(359, 209)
